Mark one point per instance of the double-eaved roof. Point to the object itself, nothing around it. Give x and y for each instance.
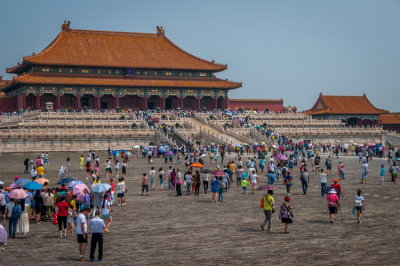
(116, 49)
(329, 104)
(125, 50)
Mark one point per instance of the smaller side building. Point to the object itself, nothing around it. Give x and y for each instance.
(390, 121)
(7, 103)
(352, 110)
(257, 104)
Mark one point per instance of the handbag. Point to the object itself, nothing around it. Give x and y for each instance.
(55, 218)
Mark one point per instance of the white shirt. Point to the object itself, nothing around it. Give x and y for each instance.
(121, 187)
(253, 178)
(79, 220)
(152, 173)
(188, 178)
(323, 177)
(97, 225)
(105, 210)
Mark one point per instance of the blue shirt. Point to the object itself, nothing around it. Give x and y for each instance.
(97, 225)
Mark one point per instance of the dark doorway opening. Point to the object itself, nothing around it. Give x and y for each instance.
(168, 104)
(104, 105)
(85, 102)
(150, 106)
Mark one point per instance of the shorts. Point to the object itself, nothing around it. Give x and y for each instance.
(364, 176)
(328, 167)
(120, 195)
(359, 208)
(287, 220)
(2, 209)
(88, 170)
(81, 239)
(106, 216)
(333, 210)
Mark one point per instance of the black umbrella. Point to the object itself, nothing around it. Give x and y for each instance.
(205, 171)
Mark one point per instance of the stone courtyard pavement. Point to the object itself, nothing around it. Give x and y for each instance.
(189, 230)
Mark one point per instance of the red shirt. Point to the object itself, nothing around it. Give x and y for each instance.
(62, 208)
(112, 186)
(337, 187)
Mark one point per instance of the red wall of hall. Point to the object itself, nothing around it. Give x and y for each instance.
(260, 106)
(8, 105)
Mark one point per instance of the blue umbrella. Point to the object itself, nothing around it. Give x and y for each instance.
(74, 183)
(22, 181)
(33, 185)
(103, 187)
(66, 180)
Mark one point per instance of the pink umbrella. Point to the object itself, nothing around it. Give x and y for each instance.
(13, 186)
(78, 191)
(218, 173)
(17, 194)
(3, 234)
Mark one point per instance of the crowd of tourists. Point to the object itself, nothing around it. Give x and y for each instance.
(76, 205)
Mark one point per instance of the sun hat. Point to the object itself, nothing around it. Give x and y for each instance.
(335, 180)
(332, 191)
(287, 199)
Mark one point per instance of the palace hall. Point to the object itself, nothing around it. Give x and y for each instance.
(87, 69)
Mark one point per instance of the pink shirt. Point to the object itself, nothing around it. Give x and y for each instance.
(332, 200)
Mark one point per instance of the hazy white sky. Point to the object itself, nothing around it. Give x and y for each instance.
(279, 49)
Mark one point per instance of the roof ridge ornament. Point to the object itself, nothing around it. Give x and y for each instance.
(160, 31)
(66, 25)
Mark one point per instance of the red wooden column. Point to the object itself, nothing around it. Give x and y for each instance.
(57, 103)
(21, 102)
(180, 102)
(116, 101)
(227, 102)
(197, 103)
(145, 105)
(97, 102)
(37, 101)
(162, 105)
(216, 103)
(78, 102)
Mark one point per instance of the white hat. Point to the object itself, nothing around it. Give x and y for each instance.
(332, 191)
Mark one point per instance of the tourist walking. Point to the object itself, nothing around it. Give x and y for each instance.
(121, 190)
(394, 171)
(337, 187)
(286, 214)
(206, 177)
(178, 182)
(23, 221)
(13, 212)
(333, 204)
(382, 174)
(189, 180)
(62, 215)
(328, 164)
(322, 177)
(288, 179)
(145, 184)
(364, 172)
(254, 181)
(106, 213)
(96, 227)
(161, 176)
(81, 232)
(305, 178)
(197, 181)
(221, 187)
(152, 175)
(39, 204)
(267, 204)
(359, 205)
(214, 189)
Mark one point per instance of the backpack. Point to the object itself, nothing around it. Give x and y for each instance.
(16, 212)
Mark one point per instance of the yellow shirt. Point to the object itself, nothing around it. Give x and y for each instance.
(268, 206)
(40, 170)
(232, 167)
